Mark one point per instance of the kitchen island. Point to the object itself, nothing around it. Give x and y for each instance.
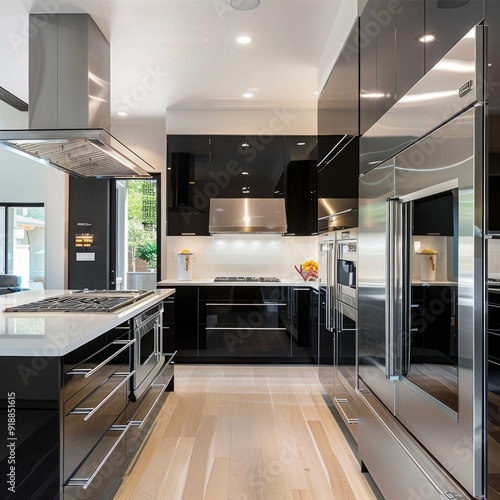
(72, 421)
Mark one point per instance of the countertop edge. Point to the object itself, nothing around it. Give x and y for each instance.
(64, 342)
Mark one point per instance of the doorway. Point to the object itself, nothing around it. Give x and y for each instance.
(137, 235)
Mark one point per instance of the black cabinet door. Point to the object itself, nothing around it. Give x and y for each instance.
(300, 184)
(450, 21)
(339, 177)
(368, 30)
(386, 55)
(186, 320)
(189, 184)
(246, 166)
(410, 51)
(229, 166)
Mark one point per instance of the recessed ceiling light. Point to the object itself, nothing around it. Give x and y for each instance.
(428, 37)
(244, 172)
(301, 144)
(122, 113)
(245, 145)
(244, 4)
(247, 95)
(490, 65)
(372, 95)
(245, 39)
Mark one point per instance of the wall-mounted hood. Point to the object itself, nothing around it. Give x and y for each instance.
(69, 101)
(247, 215)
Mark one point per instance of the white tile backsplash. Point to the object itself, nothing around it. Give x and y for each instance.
(242, 254)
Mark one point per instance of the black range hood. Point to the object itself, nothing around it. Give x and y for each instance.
(69, 102)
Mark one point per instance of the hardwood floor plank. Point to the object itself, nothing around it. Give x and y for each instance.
(176, 474)
(340, 484)
(218, 480)
(195, 482)
(245, 433)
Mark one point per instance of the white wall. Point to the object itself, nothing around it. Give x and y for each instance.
(242, 254)
(26, 181)
(285, 120)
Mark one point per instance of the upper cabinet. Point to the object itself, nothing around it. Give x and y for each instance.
(393, 53)
(255, 163)
(301, 158)
(409, 24)
(201, 167)
(449, 21)
(338, 131)
(188, 184)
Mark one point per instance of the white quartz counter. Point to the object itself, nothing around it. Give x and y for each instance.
(53, 334)
(211, 282)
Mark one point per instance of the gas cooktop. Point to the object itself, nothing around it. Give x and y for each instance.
(89, 301)
(250, 279)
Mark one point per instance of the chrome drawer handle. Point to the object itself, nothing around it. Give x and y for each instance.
(88, 412)
(270, 328)
(85, 482)
(342, 401)
(88, 373)
(140, 423)
(245, 304)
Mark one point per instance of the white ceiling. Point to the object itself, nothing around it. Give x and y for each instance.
(182, 54)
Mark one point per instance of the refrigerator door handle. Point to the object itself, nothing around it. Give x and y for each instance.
(392, 329)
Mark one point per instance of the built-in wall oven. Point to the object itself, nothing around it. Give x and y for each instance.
(346, 261)
(148, 358)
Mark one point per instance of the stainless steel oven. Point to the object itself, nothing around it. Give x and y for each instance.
(346, 262)
(148, 357)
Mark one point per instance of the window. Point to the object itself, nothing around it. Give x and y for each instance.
(22, 242)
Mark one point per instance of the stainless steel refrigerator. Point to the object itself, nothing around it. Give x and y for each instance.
(421, 286)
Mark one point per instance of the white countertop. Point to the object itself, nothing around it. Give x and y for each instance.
(210, 282)
(53, 334)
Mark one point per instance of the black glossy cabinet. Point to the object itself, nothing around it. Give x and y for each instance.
(377, 60)
(300, 184)
(368, 31)
(338, 134)
(201, 167)
(450, 20)
(186, 321)
(410, 53)
(246, 324)
(168, 325)
(188, 185)
(339, 177)
(392, 57)
(247, 166)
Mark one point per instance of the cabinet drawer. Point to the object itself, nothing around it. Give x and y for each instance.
(83, 378)
(246, 342)
(105, 464)
(87, 422)
(244, 315)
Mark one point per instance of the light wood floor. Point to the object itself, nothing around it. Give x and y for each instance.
(245, 433)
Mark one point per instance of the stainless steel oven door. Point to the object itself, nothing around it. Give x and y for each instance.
(148, 348)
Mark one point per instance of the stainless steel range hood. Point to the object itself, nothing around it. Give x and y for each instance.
(247, 215)
(69, 102)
